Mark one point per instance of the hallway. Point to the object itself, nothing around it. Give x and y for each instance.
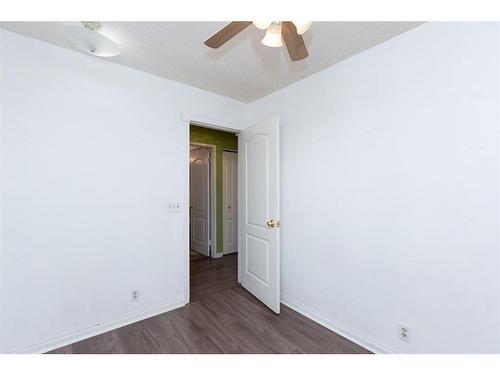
(221, 318)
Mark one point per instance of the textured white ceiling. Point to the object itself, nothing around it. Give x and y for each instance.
(242, 69)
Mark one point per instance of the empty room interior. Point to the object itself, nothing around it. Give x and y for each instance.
(249, 187)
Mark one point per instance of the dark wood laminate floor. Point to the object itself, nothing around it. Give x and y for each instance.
(194, 256)
(222, 317)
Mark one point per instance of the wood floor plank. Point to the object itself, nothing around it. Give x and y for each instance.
(222, 317)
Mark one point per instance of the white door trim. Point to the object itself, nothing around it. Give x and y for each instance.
(210, 123)
(213, 197)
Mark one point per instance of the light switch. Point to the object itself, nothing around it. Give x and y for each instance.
(174, 207)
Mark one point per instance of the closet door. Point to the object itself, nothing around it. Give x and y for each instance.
(230, 199)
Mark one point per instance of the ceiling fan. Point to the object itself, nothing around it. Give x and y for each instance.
(277, 32)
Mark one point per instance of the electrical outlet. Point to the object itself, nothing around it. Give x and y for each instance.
(134, 295)
(404, 332)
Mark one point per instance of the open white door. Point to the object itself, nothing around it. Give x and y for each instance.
(259, 259)
(230, 200)
(200, 200)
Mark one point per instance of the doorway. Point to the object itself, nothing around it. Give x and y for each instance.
(213, 192)
(249, 188)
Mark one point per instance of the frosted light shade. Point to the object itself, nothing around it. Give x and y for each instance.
(262, 24)
(91, 41)
(273, 36)
(302, 26)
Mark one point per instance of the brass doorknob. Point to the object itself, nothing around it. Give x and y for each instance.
(271, 223)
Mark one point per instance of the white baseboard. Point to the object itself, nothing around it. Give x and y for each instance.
(58, 342)
(337, 327)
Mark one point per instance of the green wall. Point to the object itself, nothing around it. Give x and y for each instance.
(222, 141)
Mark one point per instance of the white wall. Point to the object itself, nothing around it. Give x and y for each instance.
(390, 187)
(91, 152)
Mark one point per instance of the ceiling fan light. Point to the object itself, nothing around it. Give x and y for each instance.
(262, 24)
(302, 26)
(91, 41)
(273, 36)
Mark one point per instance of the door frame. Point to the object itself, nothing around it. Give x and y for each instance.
(212, 222)
(187, 120)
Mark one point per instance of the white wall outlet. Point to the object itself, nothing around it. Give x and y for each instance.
(134, 295)
(404, 332)
(174, 207)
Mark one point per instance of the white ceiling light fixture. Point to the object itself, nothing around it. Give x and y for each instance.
(302, 26)
(89, 38)
(273, 35)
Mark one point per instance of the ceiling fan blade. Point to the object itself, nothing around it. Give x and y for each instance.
(226, 33)
(293, 41)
